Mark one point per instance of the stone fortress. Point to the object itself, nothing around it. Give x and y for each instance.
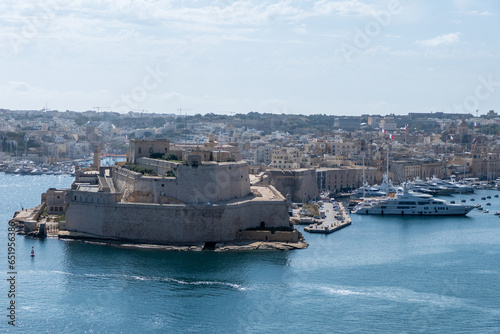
(204, 199)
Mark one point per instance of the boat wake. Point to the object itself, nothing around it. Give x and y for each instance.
(157, 279)
(178, 281)
(401, 295)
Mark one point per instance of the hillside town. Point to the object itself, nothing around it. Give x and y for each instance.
(300, 155)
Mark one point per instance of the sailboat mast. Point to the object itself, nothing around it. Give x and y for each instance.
(465, 162)
(387, 185)
(364, 182)
(387, 162)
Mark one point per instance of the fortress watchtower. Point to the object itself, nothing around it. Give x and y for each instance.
(145, 148)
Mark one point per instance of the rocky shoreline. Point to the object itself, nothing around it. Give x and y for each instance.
(29, 222)
(229, 246)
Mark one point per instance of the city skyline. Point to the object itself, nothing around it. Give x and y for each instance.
(327, 57)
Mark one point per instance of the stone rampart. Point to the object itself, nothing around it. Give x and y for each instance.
(205, 183)
(164, 224)
(160, 166)
(78, 196)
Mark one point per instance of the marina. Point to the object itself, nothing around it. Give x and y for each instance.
(351, 270)
(30, 168)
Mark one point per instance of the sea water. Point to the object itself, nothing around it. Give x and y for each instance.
(380, 275)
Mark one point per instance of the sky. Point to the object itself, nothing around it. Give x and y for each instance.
(348, 57)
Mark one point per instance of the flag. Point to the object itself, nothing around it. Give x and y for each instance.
(451, 137)
(406, 127)
(391, 136)
(383, 131)
(475, 124)
(126, 137)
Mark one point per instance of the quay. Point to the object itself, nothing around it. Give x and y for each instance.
(336, 218)
(35, 222)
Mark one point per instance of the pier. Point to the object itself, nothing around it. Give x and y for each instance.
(336, 218)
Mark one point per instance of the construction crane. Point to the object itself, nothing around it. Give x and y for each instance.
(181, 109)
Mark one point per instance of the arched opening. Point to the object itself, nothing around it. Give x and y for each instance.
(209, 245)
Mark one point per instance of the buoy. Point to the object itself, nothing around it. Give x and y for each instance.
(32, 252)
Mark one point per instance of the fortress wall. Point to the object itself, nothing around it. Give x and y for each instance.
(163, 224)
(212, 182)
(160, 166)
(124, 178)
(301, 185)
(207, 183)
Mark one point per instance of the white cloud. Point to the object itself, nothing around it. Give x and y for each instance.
(461, 4)
(236, 55)
(21, 95)
(19, 86)
(475, 12)
(301, 30)
(376, 50)
(343, 8)
(445, 39)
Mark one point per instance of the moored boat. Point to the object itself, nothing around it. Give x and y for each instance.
(409, 203)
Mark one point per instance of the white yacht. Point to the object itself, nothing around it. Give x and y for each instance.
(384, 189)
(409, 203)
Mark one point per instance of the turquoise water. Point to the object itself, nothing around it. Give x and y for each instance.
(379, 275)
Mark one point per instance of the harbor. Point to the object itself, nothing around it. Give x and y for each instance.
(432, 258)
(28, 167)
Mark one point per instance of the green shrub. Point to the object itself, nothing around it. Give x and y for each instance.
(140, 169)
(167, 156)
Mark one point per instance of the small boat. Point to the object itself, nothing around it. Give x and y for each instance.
(488, 197)
(463, 201)
(480, 208)
(478, 205)
(497, 213)
(472, 199)
(452, 202)
(483, 198)
(488, 203)
(486, 211)
(496, 195)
